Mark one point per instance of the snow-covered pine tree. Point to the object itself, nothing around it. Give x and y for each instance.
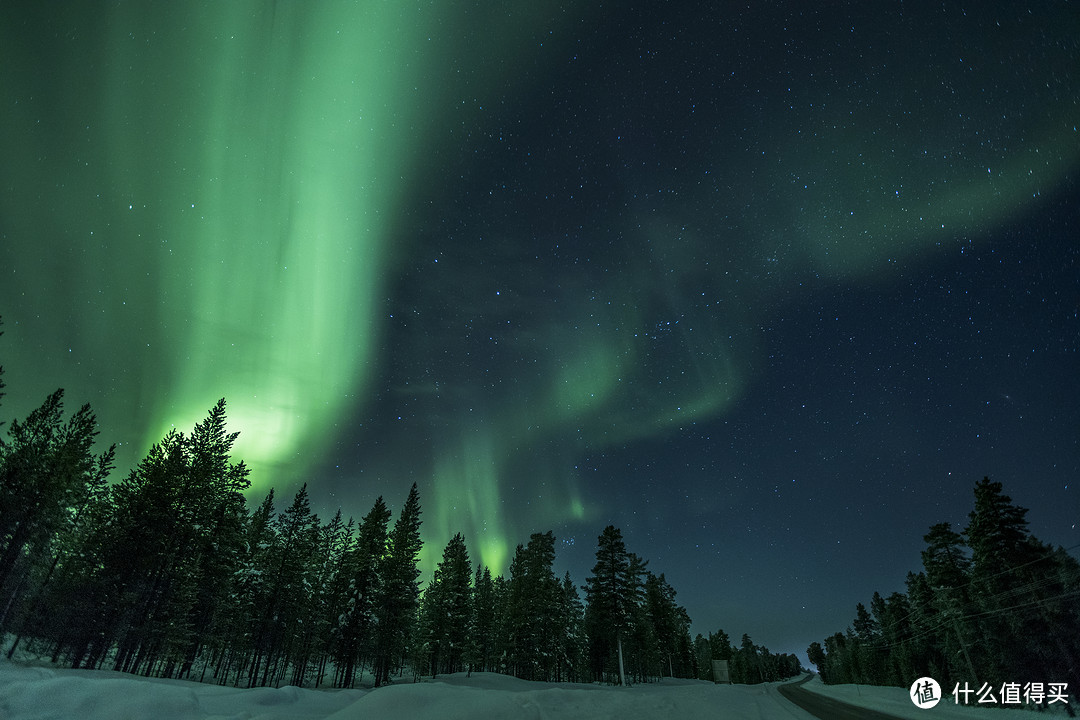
(363, 570)
(447, 608)
(533, 596)
(399, 593)
(483, 623)
(612, 595)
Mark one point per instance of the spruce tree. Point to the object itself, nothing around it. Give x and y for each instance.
(316, 617)
(948, 572)
(483, 623)
(289, 587)
(997, 534)
(339, 541)
(929, 627)
(364, 569)
(447, 609)
(53, 595)
(570, 662)
(133, 590)
(399, 594)
(242, 619)
(642, 644)
(1024, 597)
(216, 513)
(670, 627)
(533, 596)
(182, 507)
(894, 652)
(46, 473)
(612, 595)
(503, 650)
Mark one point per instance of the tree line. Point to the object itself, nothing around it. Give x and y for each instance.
(167, 572)
(991, 604)
(748, 663)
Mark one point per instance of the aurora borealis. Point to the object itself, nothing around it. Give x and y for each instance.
(767, 288)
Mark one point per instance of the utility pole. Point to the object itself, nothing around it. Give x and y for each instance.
(963, 647)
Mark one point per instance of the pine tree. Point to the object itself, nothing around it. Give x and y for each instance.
(182, 507)
(290, 573)
(612, 595)
(533, 596)
(133, 590)
(242, 617)
(484, 622)
(894, 651)
(670, 626)
(54, 595)
(570, 662)
(317, 617)
(642, 645)
(47, 473)
(339, 541)
(364, 568)
(1019, 590)
(929, 630)
(997, 532)
(399, 595)
(215, 513)
(447, 609)
(503, 650)
(948, 571)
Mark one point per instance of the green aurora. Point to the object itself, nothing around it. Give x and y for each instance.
(206, 200)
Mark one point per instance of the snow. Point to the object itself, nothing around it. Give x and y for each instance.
(48, 693)
(496, 696)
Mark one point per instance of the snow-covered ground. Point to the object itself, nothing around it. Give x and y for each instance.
(40, 693)
(46, 693)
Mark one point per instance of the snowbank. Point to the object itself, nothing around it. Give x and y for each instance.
(34, 693)
(496, 696)
(46, 693)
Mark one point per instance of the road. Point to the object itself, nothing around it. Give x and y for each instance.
(825, 707)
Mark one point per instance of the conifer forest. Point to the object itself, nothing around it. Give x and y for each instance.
(168, 573)
(991, 601)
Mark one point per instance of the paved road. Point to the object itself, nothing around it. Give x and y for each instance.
(825, 707)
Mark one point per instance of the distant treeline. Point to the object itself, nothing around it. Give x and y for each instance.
(748, 663)
(992, 604)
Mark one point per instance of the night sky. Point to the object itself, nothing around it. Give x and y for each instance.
(769, 289)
